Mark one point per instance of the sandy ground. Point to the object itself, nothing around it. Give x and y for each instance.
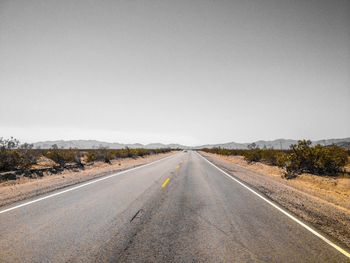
(322, 201)
(12, 191)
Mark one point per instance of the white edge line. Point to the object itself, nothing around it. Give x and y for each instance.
(82, 185)
(341, 250)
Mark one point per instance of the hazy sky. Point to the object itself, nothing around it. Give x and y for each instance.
(191, 72)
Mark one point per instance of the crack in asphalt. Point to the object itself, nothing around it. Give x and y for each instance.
(140, 211)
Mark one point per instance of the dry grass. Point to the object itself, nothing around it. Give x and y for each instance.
(43, 162)
(332, 189)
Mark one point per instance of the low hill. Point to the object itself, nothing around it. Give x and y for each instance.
(93, 144)
(277, 144)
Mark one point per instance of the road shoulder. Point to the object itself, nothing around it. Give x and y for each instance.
(331, 219)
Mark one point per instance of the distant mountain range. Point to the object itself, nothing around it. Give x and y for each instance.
(93, 144)
(278, 144)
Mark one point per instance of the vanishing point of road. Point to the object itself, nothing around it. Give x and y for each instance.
(178, 209)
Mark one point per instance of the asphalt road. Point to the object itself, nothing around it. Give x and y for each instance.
(180, 209)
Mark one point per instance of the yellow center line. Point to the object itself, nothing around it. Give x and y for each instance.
(165, 183)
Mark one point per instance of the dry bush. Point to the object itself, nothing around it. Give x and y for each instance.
(320, 160)
(106, 155)
(62, 156)
(14, 156)
(302, 157)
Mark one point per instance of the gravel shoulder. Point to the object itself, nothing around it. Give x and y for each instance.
(324, 203)
(24, 188)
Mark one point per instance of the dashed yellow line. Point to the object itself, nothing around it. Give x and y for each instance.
(165, 183)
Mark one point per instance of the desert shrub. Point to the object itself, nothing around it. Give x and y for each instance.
(281, 159)
(254, 155)
(8, 156)
(102, 154)
(106, 155)
(90, 156)
(274, 157)
(318, 160)
(14, 156)
(62, 156)
(224, 151)
(27, 156)
(302, 157)
(269, 156)
(8, 160)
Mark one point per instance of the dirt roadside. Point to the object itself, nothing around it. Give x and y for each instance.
(322, 202)
(12, 191)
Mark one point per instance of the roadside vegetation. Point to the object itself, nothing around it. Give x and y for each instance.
(17, 158)
(14, 155)
(300, 158)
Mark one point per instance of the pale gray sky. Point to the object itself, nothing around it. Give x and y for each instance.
(190, 72)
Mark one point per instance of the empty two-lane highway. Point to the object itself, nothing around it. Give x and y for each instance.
(179, 209)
